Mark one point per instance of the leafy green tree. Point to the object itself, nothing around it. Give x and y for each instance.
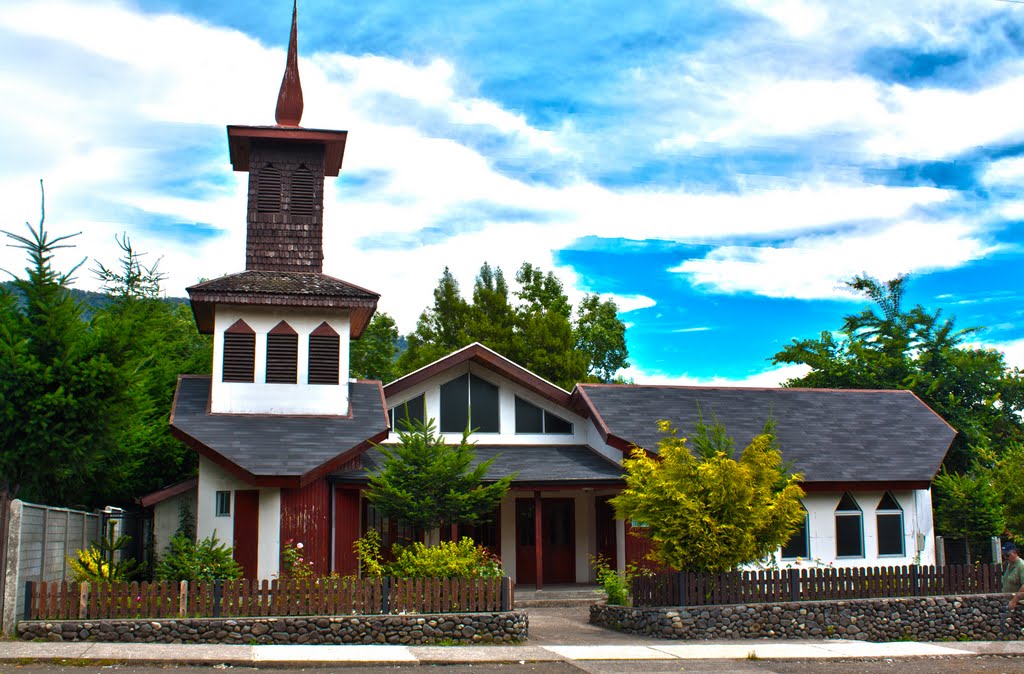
(425, 484)
(544, 322)
(372, 356)
(887, 346)
(968, 506)
(708, 511)
(602, 337)
(62, 400)
(1004, 477)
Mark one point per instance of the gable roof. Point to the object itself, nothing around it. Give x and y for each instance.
(282, 289)
(831, 436)
(277, 450)
(533, 465)
(490, 359)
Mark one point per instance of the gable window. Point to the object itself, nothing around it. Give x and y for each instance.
(239, 361)
(889, 516)
(469, 402)
(301, 198)
(282, 354)
(799, 545)
(324, 347)
(268, 189)
(411, 410)
(222, 507)
(849, 528)
(533, 419)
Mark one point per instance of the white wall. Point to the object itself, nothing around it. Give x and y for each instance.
(259, 397)
(212, 478)
(507, 392)
(165, 518)
(918, 536)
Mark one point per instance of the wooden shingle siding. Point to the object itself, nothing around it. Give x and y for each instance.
(285, 224)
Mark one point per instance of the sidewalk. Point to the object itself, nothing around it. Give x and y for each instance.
(200, 654)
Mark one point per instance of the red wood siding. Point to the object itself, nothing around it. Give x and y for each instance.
(637, 547)
(306, 519)
(346, 530)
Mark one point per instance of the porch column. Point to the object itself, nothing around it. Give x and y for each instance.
(538, 540)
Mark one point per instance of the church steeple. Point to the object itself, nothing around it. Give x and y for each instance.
(286, 165)
(289, 99)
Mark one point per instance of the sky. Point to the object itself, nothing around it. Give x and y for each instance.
(719, 169)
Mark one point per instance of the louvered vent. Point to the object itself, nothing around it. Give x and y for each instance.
(239, 356)
(323, 359)
(302, 197)
(282, 358)
(268, 190)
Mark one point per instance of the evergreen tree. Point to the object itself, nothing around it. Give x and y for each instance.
(492, 320)
(152, 342)
(710, 512)
(62, 401)
(426, 484)
(440, 329)
(967, 506)
(372, 356)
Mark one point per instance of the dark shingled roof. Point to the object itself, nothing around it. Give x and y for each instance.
(282, 289)
(828, 435)
(283, 283)
(275, 446)
(535, 465)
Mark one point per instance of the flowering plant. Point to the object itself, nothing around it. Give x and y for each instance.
(293, 563)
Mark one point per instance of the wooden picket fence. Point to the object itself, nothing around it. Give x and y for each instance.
(689, 588)
(236, 598)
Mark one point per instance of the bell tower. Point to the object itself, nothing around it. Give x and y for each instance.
(282, 327)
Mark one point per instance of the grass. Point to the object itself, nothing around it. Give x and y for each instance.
(752, 655)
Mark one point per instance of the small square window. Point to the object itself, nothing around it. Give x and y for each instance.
(223, 507)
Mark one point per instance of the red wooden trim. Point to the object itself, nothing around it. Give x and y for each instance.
(240, 327)
(282, 328)
(538, 540)
(168, 492)
(324, 330)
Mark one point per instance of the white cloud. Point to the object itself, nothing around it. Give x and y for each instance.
(627, 303)
(1013, 350)
(701, 328)
(1008, 172)
(771, 378)
(814, 267)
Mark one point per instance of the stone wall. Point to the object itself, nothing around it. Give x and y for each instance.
(410, 629)
(974, 617)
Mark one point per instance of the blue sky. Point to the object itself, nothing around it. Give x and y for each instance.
(717, 168)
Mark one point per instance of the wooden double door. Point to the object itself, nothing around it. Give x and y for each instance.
(558, 540)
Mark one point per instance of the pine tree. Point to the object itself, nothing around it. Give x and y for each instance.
(372, 356)
(426, 484)
(62, 400)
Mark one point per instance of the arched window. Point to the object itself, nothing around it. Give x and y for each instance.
(324, 349)
(889, 516)
(301, 199)
(849, 528)
(239, 361)
(268, 189)
(800, 544)
(282, 354)
(469, 402)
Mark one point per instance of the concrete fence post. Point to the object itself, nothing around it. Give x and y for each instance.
(997, 550)
(12, 582)
(940, 552)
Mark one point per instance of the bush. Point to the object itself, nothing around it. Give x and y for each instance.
(96, 564)
(293, 565)
(464, 559)
(616, 585)
(209, 559)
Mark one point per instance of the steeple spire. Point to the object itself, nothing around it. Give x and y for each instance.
(289, 100)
